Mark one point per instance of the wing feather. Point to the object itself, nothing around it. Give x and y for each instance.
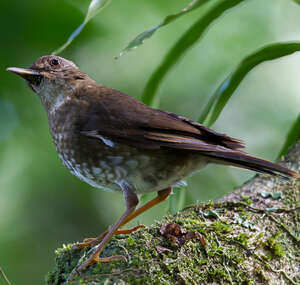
(138, 125)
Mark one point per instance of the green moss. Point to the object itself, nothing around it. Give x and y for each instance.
(223, 259)
(217, 274)
(262, 275)
(246, 200)
(220, 227)
(243, 238)
(130, 241)
(274, 245)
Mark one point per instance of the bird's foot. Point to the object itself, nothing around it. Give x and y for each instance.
(90, 242)
(94, 258)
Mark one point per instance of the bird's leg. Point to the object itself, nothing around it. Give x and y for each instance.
(161, 196)
(94, 241)
(131, 201)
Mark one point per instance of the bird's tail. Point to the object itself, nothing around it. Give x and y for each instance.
(244, 160)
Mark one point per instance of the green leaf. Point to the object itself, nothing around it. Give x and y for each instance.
(224, 92)
(139, 40)
(187, 40)
(292, 137)
(95, 7)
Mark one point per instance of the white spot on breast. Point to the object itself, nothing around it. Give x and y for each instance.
(110, 176)
(96, 171)
(67, 163)
(87, 173)
(104, 165)
(120, 172)
(84, 178)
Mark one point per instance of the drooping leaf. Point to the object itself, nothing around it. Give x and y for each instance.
(292, 137)
(224, 92)
(94, 8)
(187, 40)
(139, 40)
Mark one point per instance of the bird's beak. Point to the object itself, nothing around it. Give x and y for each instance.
(32, 76)
(26, 73)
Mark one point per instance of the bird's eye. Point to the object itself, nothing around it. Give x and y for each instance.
(54, 62)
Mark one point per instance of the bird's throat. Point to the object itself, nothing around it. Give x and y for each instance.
(52, 101)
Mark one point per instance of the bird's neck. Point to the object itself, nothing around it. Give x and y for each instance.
(53, 98)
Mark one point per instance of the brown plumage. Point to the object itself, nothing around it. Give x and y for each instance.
(112, 141)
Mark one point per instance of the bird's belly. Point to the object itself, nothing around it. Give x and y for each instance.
(107, 166)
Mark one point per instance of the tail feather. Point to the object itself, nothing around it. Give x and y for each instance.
(244, 160)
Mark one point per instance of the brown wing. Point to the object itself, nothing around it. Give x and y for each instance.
(118, 117)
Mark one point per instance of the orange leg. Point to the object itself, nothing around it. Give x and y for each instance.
(94, 241)
(161, 196)
(130, 213)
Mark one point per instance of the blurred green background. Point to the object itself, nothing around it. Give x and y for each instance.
(42, 205)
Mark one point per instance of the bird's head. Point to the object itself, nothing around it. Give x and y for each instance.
(51, 78)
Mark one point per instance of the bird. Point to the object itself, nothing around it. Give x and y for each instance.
(114, 142)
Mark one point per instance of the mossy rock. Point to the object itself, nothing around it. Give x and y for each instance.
(233, 248)
(246, 238)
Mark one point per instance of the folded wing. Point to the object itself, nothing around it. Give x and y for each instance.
(140, 126)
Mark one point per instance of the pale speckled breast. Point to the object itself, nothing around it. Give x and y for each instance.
(102, 170)
(107, 164)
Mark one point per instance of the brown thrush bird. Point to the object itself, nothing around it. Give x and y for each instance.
(114, 142)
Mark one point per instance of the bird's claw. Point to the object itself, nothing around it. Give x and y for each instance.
(94, 258)
(87, 242)
(90, 242)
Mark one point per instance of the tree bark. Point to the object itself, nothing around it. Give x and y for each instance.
(250, 236)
